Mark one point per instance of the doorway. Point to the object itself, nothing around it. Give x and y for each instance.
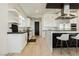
(36, 28)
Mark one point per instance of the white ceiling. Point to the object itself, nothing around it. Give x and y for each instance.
(34, 9)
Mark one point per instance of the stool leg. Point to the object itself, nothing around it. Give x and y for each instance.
(67, 46)
(71, 43)
(53, 49)
(76, 46)
(61, 47)
(56, 46)
(56, 43)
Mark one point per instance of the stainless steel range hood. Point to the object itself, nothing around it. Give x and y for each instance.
(65, 12)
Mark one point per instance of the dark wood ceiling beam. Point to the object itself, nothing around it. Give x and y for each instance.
(60, 5)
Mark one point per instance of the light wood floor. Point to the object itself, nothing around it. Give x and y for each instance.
(40, 48)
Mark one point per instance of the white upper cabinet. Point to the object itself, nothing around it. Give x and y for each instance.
(28, 22)
(13, 17)
(17, 17)
(24, 22)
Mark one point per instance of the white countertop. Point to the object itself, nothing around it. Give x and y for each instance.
(65, 31)
(61, 31)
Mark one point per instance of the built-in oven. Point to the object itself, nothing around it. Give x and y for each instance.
(73, 27)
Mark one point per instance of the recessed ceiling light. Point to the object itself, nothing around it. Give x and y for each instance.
(37, 11)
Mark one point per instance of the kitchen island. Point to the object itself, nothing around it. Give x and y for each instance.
(50, 35)
(16, 41)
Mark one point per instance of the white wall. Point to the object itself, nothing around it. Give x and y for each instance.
(3, 27)
(78, 20)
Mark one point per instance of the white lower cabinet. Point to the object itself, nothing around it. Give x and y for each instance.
(30, 35)
(16, 42)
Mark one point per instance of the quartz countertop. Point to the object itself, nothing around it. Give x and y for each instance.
(19, 32)
(61, 31)
(16, 32)
(65, 31)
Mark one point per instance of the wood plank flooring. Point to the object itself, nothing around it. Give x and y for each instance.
(40, 48)
(36, 48)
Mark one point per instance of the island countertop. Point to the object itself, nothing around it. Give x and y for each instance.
(65, 31)
(47, 34)
(61, 31)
